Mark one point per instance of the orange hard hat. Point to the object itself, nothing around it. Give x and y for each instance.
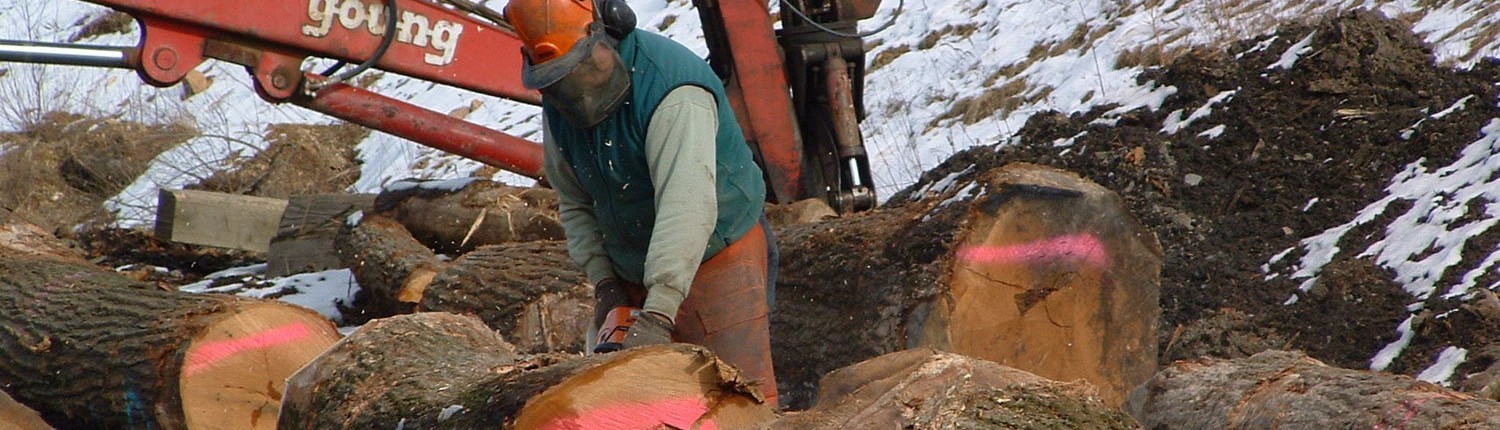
(549, 28)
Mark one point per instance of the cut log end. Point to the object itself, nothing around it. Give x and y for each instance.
(1053, 276)
(234, 371)
(16, 416)
(679, 386)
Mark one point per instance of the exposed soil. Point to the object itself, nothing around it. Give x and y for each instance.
(1329, 129)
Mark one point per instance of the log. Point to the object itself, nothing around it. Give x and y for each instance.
(433, 369)
(1027, 266)
(89, 348)
(391, 267)
(529, 291)
(1288, 389)
(455, 216)
(952, 391)
(16, 416)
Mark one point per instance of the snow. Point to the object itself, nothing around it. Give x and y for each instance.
(1422, 243)
(1175, 122)
(1289, 58)
(942, 185)
(1443, 368)
(319, 291)
(1458, 105)
(449, 185)
(1390, 351)
(1213, 132)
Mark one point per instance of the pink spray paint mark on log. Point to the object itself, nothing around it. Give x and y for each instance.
(1082, 247)
(680, 413)
(207, 354)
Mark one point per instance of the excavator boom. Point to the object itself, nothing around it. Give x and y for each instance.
(458, 43)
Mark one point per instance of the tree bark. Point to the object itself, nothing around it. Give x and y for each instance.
(1030, 267)
(87, 347)
(529, 291)
(1287, 389)
(955, 391)
(392, 268)
(456, 216)
(435, 369)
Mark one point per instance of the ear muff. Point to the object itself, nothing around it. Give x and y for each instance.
(616, 16)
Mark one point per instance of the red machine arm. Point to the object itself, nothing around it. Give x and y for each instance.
(273, 39)
(431, 42)
(809, 72)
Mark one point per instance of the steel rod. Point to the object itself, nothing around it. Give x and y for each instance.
(62, 53)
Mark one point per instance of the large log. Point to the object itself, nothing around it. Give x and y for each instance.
(1027, 266)
(455, 216)
(923, 388)
(391, 267)
(529, 291)
(440, 370)
(1287, 389)
(89, 348)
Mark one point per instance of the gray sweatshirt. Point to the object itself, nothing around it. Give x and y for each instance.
(680, 154)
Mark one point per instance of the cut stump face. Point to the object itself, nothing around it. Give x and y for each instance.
(234, 371)
(1054, 277)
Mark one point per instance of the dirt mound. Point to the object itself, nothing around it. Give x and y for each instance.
(301, 159)
(57, 173)
(169, 263)
(1257, 150)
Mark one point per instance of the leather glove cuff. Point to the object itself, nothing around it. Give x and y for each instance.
(650, 328)
(609, 293)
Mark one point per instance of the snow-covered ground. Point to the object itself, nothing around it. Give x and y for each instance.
(945, 76)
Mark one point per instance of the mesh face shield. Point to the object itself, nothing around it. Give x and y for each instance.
(587, 83)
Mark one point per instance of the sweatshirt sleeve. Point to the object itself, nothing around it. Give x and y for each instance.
(680, 152)
(576, 212)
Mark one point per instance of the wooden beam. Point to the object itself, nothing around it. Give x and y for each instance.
(218, 219)
(304, 240)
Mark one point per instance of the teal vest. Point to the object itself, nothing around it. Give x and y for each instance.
(610, 159)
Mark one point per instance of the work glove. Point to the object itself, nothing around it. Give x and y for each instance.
(609, 293)
(650, 328)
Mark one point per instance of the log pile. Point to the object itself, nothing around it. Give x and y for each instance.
(1287, 389)
(434, 369)
(89, 348)
(1027, 266)
(529, 291)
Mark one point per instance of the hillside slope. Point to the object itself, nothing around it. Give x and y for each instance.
(1328, 188)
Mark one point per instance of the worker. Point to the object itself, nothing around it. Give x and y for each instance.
(659, 196)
